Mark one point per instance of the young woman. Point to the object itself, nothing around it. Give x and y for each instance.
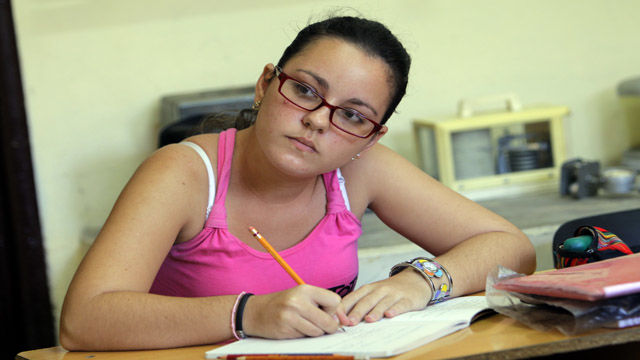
(175, 264)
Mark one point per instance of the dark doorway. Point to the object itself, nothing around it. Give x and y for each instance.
(25, 307)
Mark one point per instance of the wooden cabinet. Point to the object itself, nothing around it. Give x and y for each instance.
(518, 148)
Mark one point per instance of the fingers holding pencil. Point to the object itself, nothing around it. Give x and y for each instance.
(304, 310)
(301, 311)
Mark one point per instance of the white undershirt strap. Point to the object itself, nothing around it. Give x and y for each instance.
(207, 164)
(343, 189)
(212, 180)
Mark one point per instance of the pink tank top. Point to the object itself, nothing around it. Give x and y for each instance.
(215, 262)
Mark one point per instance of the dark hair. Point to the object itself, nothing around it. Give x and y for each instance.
(218, 122)
(371, 36)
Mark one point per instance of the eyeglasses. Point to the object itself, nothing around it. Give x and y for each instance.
(306, 98)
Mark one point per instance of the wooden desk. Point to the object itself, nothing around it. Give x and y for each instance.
(495, 337)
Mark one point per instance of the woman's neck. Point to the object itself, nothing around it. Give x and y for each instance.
(257, 176)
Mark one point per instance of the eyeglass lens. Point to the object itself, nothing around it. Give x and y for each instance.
(347, 120)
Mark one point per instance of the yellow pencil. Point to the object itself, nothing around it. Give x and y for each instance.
(275, 255)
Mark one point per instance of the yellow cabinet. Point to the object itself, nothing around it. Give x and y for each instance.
(517, 147)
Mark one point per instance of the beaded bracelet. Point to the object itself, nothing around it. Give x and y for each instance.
(236, 315)
(429, 269)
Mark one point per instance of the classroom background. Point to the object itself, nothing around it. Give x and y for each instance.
(94, 73)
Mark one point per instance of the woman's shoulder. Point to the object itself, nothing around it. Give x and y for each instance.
(175, 174)
(179, 160)
(370, 173)
(376, 161)
(381, 168)
(208, 143)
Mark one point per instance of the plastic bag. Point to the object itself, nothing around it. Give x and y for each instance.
(566, 315)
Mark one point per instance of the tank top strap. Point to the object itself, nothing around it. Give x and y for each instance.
(226, 142)
(337, 199)
(212, 179)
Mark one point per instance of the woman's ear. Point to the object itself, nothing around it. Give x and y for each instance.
(376, 137)
(268, 73)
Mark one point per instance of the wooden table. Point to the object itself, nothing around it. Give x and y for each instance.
(495, 337)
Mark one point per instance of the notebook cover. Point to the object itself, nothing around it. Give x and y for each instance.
(599, 280)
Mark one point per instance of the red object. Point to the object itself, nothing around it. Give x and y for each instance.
(599, 280)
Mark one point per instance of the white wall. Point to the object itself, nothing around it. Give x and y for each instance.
(94, 72)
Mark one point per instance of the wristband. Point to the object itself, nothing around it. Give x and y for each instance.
(236, 315)
(444, 291)
(429, 269)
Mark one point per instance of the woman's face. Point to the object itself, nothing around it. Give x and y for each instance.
(301, 142)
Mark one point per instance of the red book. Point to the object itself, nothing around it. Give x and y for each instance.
(599, 280)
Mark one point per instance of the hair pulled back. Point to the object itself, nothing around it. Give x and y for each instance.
(372, 37)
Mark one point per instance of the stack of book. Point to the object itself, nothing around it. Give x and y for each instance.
(604, 293)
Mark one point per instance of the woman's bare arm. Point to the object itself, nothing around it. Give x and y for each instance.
(107, 305)
(466, 238)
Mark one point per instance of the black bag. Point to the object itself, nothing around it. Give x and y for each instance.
(625, 224)
(589, 244)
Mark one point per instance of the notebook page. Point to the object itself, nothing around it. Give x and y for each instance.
(383, 338)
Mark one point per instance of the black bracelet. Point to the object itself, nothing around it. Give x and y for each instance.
(241, 303)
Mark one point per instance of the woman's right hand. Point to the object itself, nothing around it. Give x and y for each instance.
(304, 310)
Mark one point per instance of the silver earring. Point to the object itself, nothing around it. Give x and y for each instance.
(356, 157)
(256, 105)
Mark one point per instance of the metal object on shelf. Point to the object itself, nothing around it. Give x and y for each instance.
(580, 178)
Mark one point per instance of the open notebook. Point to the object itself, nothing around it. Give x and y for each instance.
(384, 338)
(599, 280)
